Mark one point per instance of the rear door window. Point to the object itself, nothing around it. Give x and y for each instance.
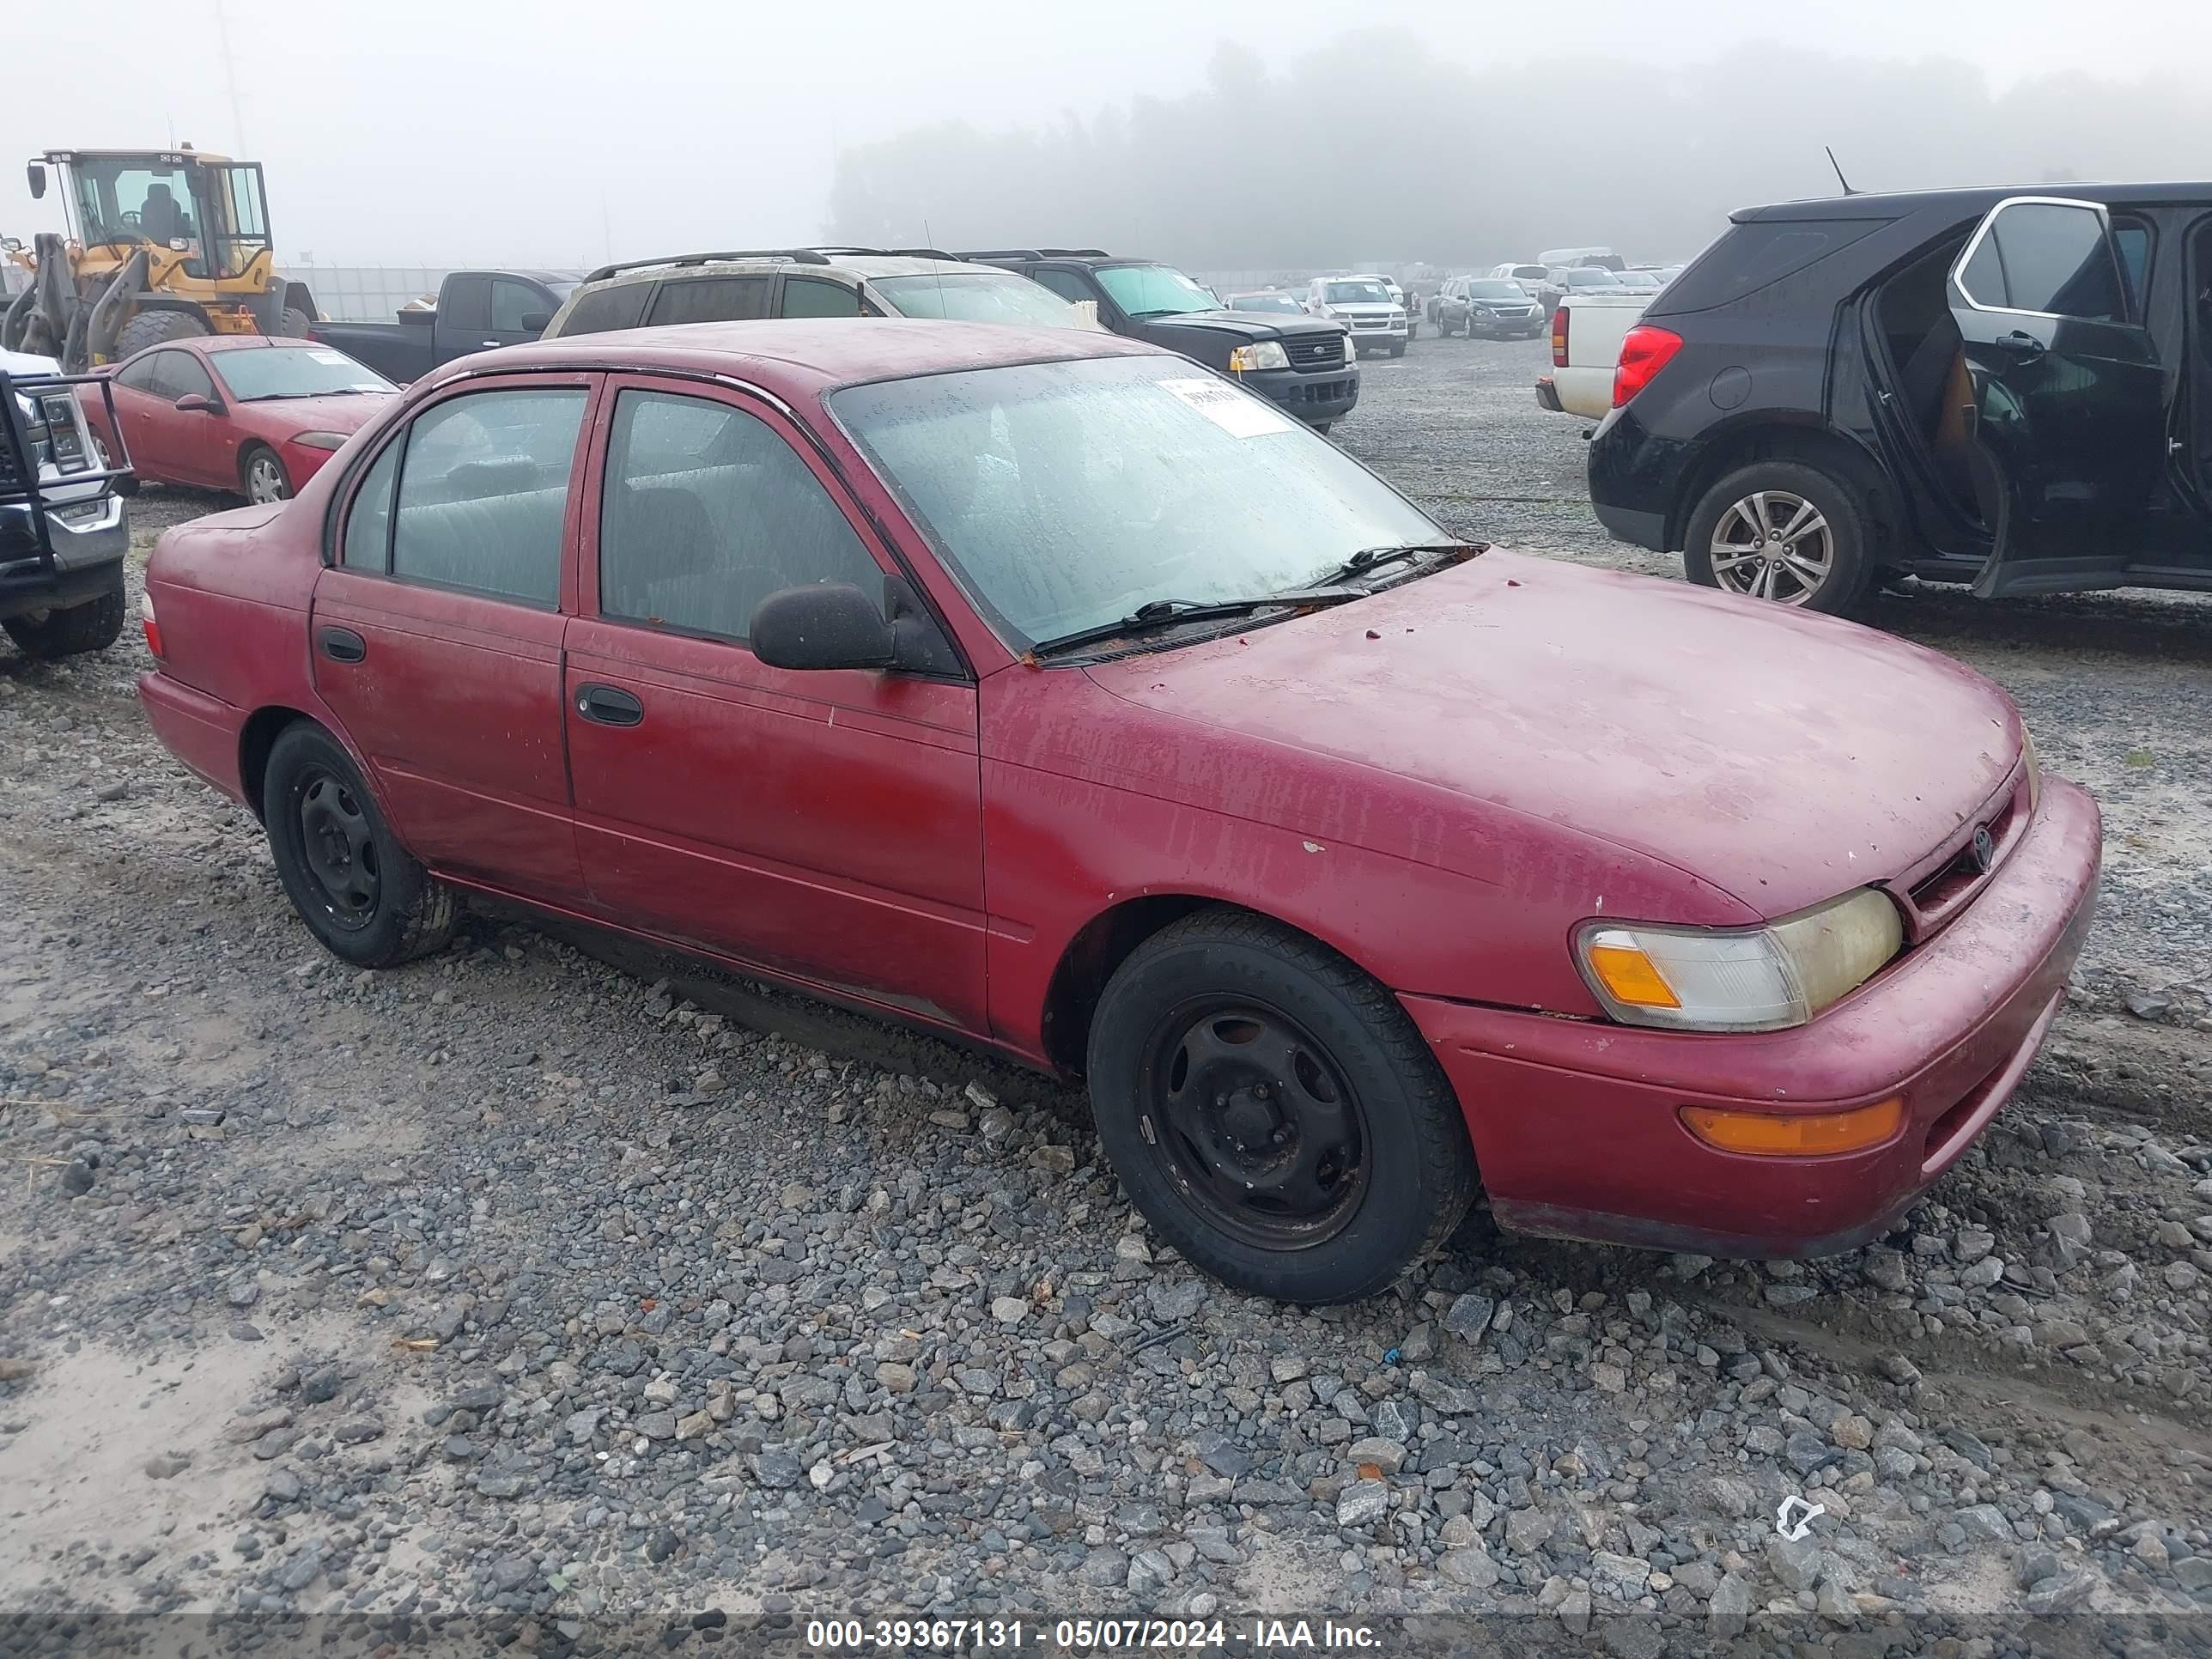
(809, 296)
(618, 305)
(483, 492)
(712, 300)
(2055, 258)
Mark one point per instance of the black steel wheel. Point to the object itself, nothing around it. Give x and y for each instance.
(1273, 1111)
(338, 846)
(360, 893)
(1251, 1120)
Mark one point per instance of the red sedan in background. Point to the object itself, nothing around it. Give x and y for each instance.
(242, 412)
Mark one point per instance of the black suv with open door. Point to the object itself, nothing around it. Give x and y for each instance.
(2004, 388)
(1299, 363)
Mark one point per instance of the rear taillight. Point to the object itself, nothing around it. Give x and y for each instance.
(1559, 337)
(1644, 350)
(153, 629)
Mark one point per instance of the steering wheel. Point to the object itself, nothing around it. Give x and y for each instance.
(130, 216)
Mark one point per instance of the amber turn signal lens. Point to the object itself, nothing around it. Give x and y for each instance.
(1796, 1134)
(1631, 977)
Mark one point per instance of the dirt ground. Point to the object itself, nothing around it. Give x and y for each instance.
(547, 1284)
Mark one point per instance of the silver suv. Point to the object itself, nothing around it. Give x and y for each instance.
(807, 281)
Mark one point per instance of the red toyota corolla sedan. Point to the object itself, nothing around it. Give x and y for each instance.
(242, 412)
(1044, 689)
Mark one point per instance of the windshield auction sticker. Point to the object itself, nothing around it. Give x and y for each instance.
(1234, 412)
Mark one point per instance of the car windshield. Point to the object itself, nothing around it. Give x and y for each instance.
(1356, 293)
(1498, 290)
(1154, 291)
(1064, 495)
(977, 296)
(295, 372)
(1264, 302)
(1592, 279)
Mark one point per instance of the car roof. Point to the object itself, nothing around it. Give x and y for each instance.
(1897, 205)
(245, 342)
(868, 267)
(806, 356)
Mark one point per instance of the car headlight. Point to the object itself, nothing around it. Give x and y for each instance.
(320, 439)
(1263, 354)
(1756, 979)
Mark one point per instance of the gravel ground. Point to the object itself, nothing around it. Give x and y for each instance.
(545, 1287)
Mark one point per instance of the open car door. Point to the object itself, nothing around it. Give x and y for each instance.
(2068, 415)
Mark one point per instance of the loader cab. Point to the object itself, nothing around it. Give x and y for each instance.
(212, 211)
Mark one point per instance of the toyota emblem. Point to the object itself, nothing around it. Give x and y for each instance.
(1985, 848)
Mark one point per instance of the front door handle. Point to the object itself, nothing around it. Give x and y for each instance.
(606, 705)
(2021, 344)
(343, 645)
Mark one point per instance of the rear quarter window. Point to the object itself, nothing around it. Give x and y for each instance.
(1749, 257)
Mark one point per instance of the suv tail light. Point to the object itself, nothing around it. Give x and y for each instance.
(1644, 350)
(1559, 337)
(153, 627)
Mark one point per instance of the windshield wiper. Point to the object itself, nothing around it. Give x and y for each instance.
(1369, 558)
(1157, 614)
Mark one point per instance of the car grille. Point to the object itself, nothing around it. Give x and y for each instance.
(1320, 392)
(1370, 322)
(1324, 352)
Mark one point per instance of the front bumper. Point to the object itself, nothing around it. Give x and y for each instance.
(1506, 328)
(88, 539)
(1575, 1123)
(1316, 398)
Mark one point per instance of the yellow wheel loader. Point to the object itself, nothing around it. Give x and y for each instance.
(161, 245)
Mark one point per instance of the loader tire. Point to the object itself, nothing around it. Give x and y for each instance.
(150, 328)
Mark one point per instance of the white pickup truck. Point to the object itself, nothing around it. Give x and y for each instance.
(1587, 330)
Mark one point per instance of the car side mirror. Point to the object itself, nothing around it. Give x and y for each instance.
(35, 174)
(537, 322)
(822, 625)
(197, 402)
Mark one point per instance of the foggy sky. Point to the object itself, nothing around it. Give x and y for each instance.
(558, 132)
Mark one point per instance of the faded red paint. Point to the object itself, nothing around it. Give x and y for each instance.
(1441, 781)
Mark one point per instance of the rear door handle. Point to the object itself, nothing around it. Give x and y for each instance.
(2020, 344)
(343, 645)
(606, 705)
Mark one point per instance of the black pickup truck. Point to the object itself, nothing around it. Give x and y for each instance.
(476, 311)
(1299, 363)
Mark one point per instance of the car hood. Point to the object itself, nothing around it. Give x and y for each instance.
(1781, 757)
(346, 413)
(1243, 324)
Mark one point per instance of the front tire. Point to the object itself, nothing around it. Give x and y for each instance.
(1786, 532)
(1273, 1113)
(73, 630)
(360, 893)
(262, 477)
(1397, 348)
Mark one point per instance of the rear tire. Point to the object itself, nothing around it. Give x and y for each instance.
(362, 894)
(150, 328)
(1273, 1113)
(1824, 567)
(73, 630)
